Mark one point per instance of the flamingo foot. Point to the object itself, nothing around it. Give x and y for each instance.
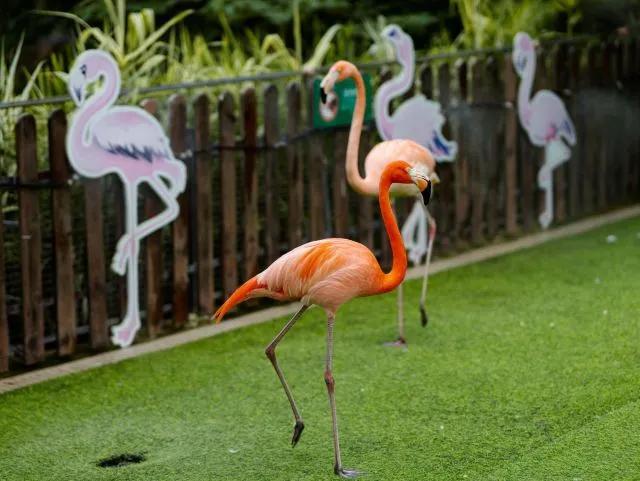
(424, 318)
(297, 432)
(123, 334)
(400, 342)
(545, 219)
(346, 473)
(123, 251)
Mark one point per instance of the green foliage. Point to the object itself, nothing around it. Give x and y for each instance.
(528, 370)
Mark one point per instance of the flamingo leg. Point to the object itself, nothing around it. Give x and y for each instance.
(124, 333)
(270, 351)
(425, 278)
(328, 379)
(147, 227)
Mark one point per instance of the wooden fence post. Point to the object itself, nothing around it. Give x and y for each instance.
(4, 322)
(30, 241)
(271, 178)
(153, 254)
(576, 160)
(491, 165)
(250, 194)
(559, 74)
(340, 188)
(317, 166)
(476, 154)
(589, 76)
(204, 212)
(294, 167)
(227, 122)
(62, 235)
(459, 121)
(180, 226)
(510, 148)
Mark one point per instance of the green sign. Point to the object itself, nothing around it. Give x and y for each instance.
(338, 109)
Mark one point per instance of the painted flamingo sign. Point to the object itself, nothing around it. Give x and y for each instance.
(544, 118)
(126, 141)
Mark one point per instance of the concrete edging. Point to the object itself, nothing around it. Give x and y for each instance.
(168, 342)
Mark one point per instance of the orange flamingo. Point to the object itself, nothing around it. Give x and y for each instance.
(378, 158)
(328, 273)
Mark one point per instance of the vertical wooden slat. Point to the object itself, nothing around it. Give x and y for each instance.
(445, 191)
(476, 156)
(96, 275)
(204, 212)
(30, 241)
(116, 197)
(62, 235)
(294, 166)
(153, 254)
(180, 226)
(510, 148)
(459, 123)
(604, 143)
(559, 82)
(589, 76)
(340, 193)
(317, 166)
(229, 258)
(271, 184)
(541, 82)
(250, 194)
(491, 167)
(575, 163)
(4, 322)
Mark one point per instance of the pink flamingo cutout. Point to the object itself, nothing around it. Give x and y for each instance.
(544, 118)
(127, 141)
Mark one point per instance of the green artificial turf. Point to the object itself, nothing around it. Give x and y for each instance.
(529, 370)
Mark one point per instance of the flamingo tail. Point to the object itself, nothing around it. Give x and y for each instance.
(239, 295)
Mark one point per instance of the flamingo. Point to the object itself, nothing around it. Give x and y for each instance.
(328, 273)
(129, 142)
(410, 151)
(544, 118)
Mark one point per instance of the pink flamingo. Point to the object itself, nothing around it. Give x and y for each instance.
(545, 119)
(378, 158)
(329, 273)
(129, 142)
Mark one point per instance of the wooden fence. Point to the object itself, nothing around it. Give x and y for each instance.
(261, 182)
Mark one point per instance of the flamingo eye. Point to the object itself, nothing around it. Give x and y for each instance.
(83, 70)
(393, 33)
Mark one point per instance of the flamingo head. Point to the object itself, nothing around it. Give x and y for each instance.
(400, 41)
(338, 72)
(400, 172)
(523, 51)
(87, 68)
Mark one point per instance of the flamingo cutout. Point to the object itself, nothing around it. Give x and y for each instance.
(544, 118)
(129, 142)
(378, 158)
(418, 119)
(328, 273)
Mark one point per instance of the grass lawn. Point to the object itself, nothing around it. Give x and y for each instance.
(529, 370)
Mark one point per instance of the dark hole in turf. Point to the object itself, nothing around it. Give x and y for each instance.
(120, 460)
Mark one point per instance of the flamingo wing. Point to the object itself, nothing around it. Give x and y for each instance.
(132, 133)
(550, 119)
(327, 272)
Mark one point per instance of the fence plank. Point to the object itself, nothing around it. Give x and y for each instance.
(590, 149)
(96, 275)
(476, 148)
(227, 123)
(294, 166)
(30, 241)
(340, 192)
(204, 212)
(445, 193)
(559, 75)
(62, 235)
(271, 181)
(510, 148)
(4, 322)
(491, 168)
(459, 121)
(180, 226)
(317, 168)
(250, 194)
(153, 254)
(575, 162)
(604, 141)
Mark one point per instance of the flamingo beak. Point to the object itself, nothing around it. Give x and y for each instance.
(427, 193)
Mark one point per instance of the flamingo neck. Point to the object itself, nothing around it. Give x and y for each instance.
(80, 144)
(393, 88)
(354, 178)
(395, 276)
(524, 91)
